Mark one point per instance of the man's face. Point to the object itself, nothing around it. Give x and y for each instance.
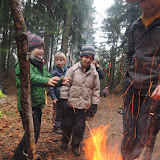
(149, 7)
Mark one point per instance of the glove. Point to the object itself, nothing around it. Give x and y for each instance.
(92, 110)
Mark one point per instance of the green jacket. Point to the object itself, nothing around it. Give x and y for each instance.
(38, 82)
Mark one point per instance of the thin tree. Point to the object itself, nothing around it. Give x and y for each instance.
(67, 26)
(22, 49)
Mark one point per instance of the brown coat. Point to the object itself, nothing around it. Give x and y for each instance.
(84, 87)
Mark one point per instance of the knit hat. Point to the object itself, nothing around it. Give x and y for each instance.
(88, 49)
(34, 41)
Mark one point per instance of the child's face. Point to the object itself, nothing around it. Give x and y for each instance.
(60, 62)
(149, 7)
(38, 52)
(86, 61)
(94, 63)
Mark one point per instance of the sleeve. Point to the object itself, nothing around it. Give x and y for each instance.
(52, 89)
(96, 90)
(100, 72)
(64, 92)
(131, 50)
(38, 79)
(17, 74)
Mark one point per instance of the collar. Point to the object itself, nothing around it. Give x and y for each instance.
(63, 69)
(86, 69)
(38, 63)
(147, 21)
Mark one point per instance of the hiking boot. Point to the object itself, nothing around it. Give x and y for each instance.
(64, 146)
(76, 151)
(59, 131)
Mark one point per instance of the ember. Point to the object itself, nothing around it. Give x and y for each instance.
(95, 146)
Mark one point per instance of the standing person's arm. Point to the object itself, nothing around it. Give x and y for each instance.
(17, 74)
(64, 92)
(95, 96)
(131, 49)
(42, 80)
(52, 89)
(100, 72)
(96, 90)
(156, 93)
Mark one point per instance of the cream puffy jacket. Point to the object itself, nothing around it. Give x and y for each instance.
(83, 88)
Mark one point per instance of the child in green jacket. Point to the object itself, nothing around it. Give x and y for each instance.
(39, 79)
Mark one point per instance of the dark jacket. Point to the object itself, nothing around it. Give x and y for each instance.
(143, 56)
(100, 72)
(55, 91)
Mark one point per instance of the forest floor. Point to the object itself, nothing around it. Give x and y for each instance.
(48, 146)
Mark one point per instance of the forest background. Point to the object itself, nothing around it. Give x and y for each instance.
(68, 24)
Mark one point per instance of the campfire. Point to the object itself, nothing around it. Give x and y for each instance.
(96, 148)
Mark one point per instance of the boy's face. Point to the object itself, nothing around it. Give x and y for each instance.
(86, 61)
(38, 52)
(60, 62)
(149, 7)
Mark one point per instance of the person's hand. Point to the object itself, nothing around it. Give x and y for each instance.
(65, 80)
(97, 65)
(53, 81)
(156, 93)
(55, 101)
(94, 108)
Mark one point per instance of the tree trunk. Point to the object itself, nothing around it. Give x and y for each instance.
(67, 25)
(22, 47)
(112, 69)
(4, 49)
(46, 48)
(51, 57)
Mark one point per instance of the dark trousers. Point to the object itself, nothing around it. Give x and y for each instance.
(139, 126)
(58, 114)
(73, 123)
(36, 113)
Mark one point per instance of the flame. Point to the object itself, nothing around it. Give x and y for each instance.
(96, 148)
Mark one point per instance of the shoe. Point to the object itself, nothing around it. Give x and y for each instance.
(76, 151)
(59, 131)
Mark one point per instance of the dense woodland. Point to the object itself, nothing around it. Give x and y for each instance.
(66, 25)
